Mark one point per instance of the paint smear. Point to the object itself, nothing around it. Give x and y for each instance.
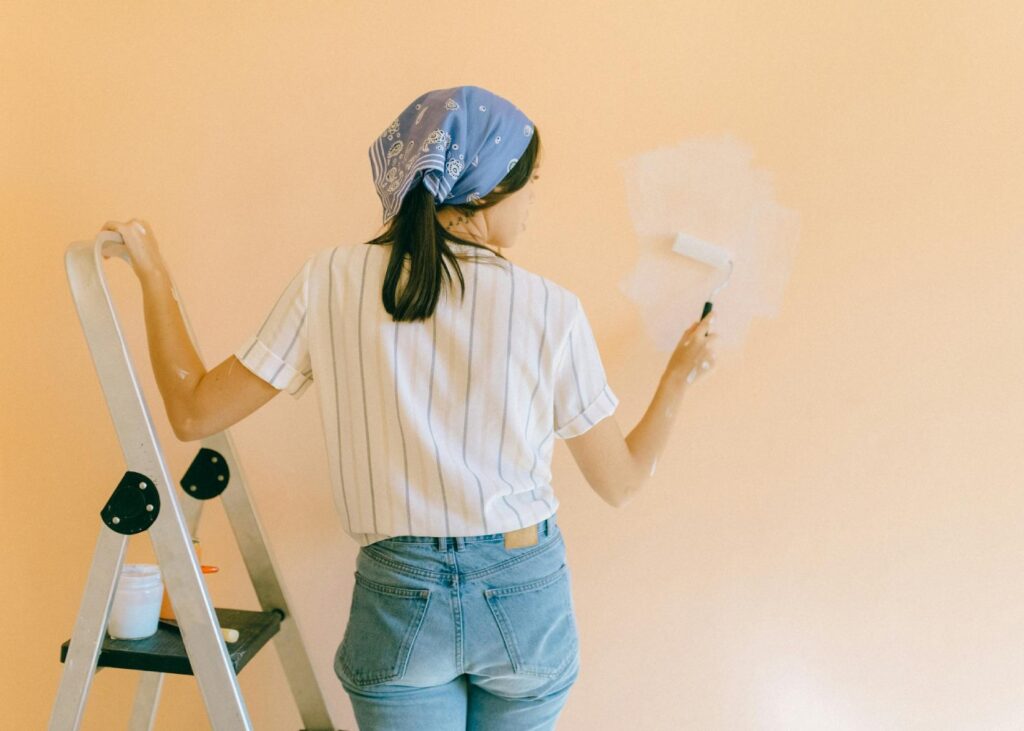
(707, 188)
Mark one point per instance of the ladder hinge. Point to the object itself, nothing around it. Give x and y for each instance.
(207, 476)
(133, 506)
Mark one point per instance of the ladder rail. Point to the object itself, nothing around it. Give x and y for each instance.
(271, 594)
(87, 635)
(147, 694)
(146, 698)
(263, 571)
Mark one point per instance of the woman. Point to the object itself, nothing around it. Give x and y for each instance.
(439, 416)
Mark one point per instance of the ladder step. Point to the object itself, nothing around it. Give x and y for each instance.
(164, 652)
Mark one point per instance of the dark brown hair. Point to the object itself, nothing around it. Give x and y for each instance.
(415, 232)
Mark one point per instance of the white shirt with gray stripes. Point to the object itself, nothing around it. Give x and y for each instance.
(444, 426)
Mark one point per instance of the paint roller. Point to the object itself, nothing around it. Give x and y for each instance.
(706, 253)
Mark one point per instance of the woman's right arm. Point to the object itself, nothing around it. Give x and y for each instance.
(198, 402)
(617, 467)
(224, 396)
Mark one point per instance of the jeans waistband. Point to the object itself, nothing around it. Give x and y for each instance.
(443, 543)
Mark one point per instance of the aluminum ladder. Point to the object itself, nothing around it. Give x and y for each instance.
(145, 499)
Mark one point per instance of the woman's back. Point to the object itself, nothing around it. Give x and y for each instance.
(443, 426)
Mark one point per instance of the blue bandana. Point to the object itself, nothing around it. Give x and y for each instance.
(461, 142)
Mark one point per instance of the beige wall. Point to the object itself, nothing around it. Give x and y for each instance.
(833, 536)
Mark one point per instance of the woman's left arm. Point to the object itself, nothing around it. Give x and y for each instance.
(198, 402)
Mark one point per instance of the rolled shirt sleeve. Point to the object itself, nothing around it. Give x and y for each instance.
(279, 351)
(582, 395)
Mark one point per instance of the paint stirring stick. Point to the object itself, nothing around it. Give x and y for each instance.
(228, 633)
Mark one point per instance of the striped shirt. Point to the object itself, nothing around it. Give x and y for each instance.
(444, 426)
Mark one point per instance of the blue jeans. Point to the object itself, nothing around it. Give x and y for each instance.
(460, 634)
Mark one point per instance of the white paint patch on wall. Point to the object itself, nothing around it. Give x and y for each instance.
(707, 188)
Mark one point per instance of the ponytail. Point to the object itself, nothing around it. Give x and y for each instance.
(416, 234)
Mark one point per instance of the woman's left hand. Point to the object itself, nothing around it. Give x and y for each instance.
(141, 243)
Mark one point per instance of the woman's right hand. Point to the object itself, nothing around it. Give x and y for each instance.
(692, 357)
(137, 236)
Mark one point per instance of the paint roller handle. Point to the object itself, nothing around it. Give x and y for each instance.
(693, 351)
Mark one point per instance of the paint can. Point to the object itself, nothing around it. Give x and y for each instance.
(136, 607)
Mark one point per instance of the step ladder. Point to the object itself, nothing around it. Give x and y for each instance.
(145, 499)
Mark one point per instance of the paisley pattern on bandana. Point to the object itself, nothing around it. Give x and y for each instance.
(460, 142)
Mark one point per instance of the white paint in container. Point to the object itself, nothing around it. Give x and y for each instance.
(135, 611)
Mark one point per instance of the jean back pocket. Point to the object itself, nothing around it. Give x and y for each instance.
(383, 623)
(537, 624)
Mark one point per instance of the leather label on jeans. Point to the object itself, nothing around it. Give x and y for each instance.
(521, 538)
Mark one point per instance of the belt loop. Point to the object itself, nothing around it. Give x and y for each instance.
(460, 543)
(441, 543)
